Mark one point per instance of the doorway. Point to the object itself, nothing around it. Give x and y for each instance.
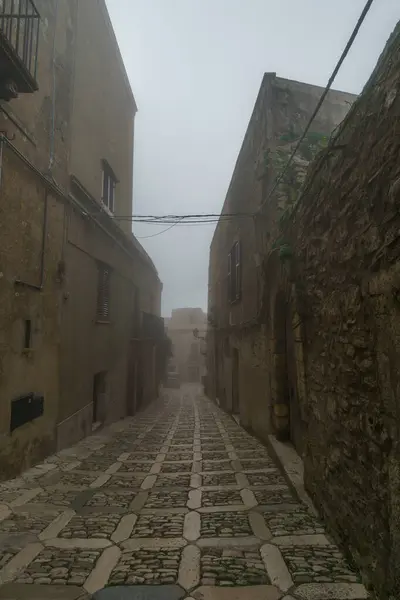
(99, 392)
(286, 408)
(295, 420)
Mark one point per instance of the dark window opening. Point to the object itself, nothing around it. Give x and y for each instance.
(28, 334)
(103, 294)
(99, 389)
(25, 409)
(234, 273)
(108, 187)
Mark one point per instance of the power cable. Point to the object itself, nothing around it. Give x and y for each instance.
(145, 237)
(214, 218)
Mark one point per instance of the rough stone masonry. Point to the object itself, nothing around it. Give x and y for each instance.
(345, 286)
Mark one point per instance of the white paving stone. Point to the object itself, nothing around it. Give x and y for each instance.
(189, 569)
(276, 567)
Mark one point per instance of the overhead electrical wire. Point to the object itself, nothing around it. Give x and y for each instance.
(144, 237)
(213, 218)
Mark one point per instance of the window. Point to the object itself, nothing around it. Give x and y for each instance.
(234, 273)
(103, 294)
(27, 334)
(108, 187)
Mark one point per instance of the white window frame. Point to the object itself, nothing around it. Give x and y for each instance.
(108, 187)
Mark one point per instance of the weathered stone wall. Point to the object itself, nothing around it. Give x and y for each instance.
(102, 124)
(68, 347)
(23, 223)
(346, 245)
(281, 112)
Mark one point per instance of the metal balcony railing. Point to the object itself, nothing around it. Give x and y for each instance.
(19, 41)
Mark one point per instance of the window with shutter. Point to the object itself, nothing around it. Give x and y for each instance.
(103, 294)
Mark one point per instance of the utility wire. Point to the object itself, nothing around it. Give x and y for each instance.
(145, 237)
(321, 100)
(212, 218)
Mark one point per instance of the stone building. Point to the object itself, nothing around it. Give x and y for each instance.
(341, 282)
(74, 282)
(241, 343)
(188, 348)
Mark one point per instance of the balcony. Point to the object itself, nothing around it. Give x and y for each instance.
(19, 40)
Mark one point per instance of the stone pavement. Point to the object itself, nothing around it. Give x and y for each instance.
(176, 502)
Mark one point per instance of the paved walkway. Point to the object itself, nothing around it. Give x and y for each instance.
(177, 502)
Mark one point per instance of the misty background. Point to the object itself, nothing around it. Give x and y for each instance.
(195, 68)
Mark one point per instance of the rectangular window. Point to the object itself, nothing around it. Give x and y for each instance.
(27, 334)
(108, 187)
(234, 273)
(103, 294)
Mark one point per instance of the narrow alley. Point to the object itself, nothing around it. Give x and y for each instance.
(176, 502)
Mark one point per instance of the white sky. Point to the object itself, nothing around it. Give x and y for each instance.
(195, 67)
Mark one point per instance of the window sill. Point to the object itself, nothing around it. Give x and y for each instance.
(107, 210)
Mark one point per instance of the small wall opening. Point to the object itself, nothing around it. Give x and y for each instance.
(27, 334)
(235, 382)
(99, 394)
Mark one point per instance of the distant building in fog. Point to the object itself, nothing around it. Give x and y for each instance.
(188, 351)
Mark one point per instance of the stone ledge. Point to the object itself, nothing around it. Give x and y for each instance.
(141, 592)
(257, 592)
(331, 591)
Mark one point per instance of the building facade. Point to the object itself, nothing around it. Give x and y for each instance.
(74, 282)
(186, 328)
(312, 311)
(243, 351)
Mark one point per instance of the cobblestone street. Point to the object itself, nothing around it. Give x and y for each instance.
(178, 496)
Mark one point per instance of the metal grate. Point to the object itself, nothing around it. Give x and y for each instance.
(19, 26)
(103, 293)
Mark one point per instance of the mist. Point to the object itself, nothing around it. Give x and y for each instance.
(195, 69)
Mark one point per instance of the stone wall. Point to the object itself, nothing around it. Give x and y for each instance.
(345, 280)
(31, 213)
(40, 218)
(281, 112)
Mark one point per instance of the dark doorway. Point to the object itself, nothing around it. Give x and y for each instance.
(131, 383)
(295, 420)
(235, 381)
(99, 390)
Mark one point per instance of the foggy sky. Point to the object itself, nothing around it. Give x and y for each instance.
(195, 67)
